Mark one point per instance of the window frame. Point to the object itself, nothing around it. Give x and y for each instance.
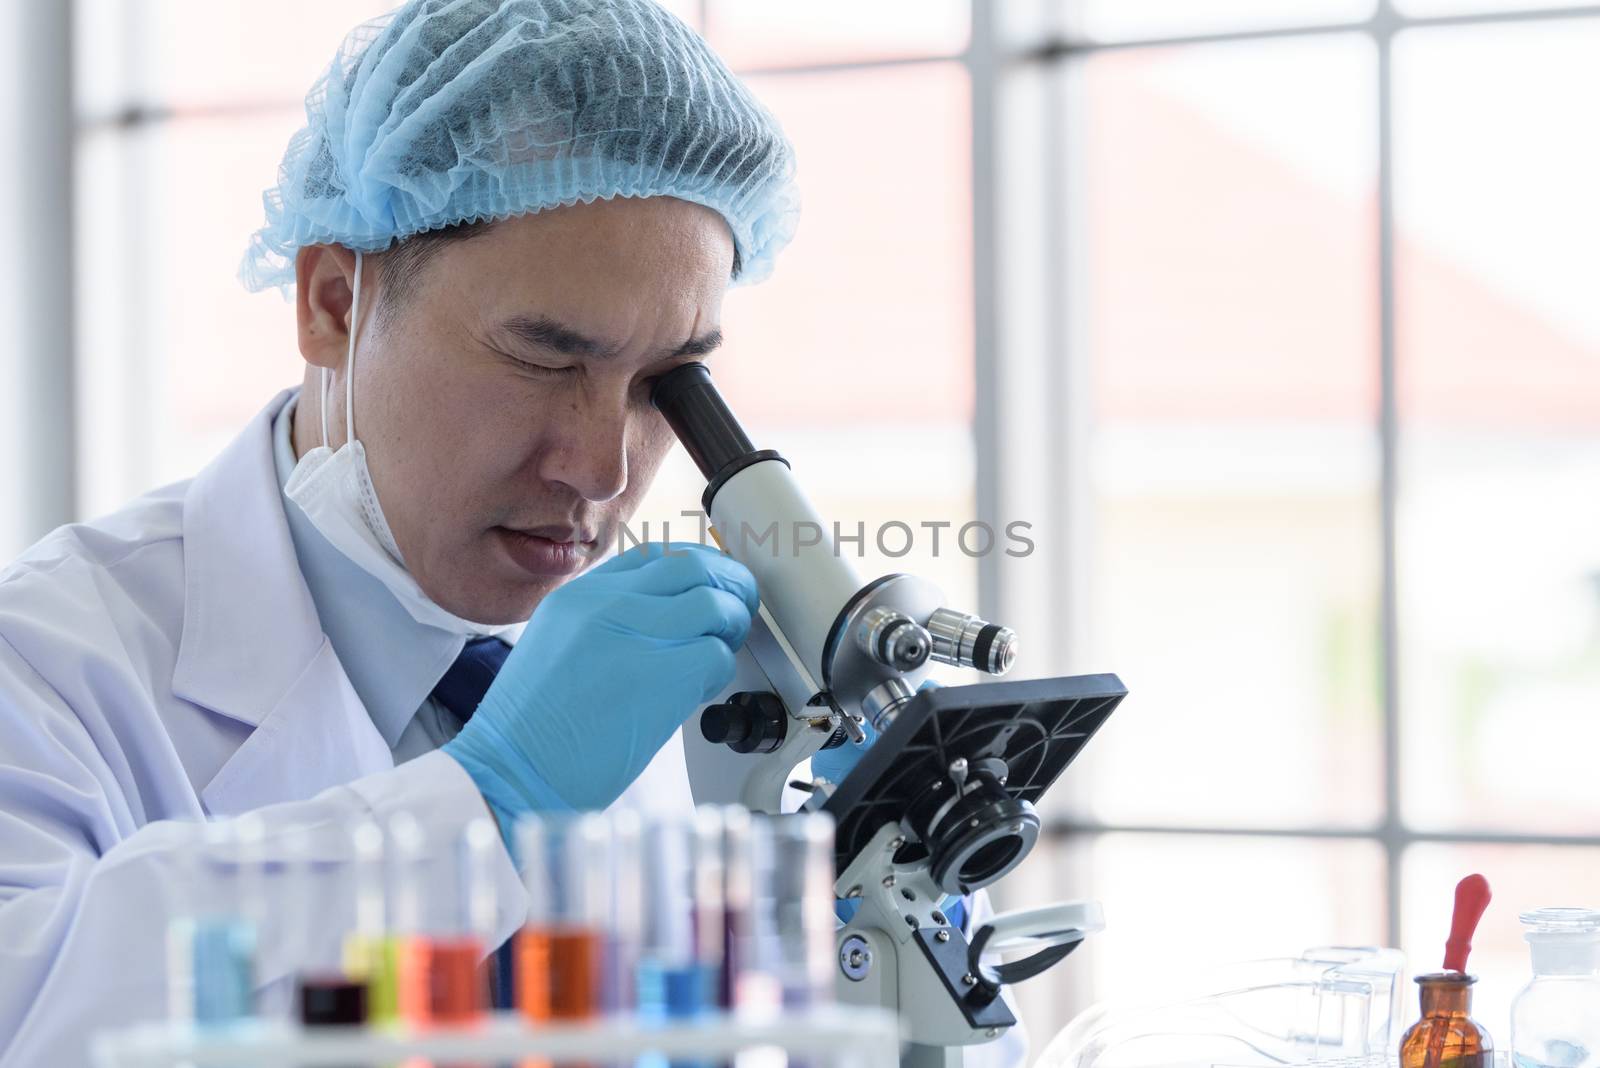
(1057, 53)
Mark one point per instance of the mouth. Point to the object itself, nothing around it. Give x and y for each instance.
(547, 551)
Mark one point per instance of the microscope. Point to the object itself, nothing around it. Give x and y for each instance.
(942, 803)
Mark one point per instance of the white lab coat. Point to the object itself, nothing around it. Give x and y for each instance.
(166, 664)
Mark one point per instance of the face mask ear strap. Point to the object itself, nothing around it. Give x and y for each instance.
(350, 359)
(350, 367)
(324, 377)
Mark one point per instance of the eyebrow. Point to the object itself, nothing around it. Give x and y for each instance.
(546, 333)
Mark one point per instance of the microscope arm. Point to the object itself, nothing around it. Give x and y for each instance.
(777, 736)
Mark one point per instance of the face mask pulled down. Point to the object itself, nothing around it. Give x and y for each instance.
(334, 489)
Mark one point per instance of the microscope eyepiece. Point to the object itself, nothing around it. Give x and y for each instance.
(702, 420)
(697, 414)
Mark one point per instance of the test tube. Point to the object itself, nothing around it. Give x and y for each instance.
(560, 951)
(371, 954)
(803, 903)
(325, 994)
(751, 970)
(407, 944)
(675, 980)
(619, 990)
(192, 870)
(458, 978)
(709, 897)
(222, 939)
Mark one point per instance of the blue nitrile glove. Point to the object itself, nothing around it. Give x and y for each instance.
(609, 666)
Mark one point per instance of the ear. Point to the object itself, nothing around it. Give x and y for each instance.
(324, 277)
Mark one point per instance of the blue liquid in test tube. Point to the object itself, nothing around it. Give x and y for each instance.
(676, 992)
(224, 970)
(212, 951)
(679, 975)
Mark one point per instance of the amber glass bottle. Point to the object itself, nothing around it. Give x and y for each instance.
(1447, 1036)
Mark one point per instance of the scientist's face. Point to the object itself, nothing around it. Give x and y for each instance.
(504, 399)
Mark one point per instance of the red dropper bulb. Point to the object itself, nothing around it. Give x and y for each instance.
(1472, 897)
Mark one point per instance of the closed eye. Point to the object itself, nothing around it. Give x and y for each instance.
(536, 368)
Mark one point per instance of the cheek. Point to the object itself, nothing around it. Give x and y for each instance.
(647, 448)
(494, 445)
(452, 432)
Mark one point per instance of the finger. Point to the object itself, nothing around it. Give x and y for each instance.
(676, 572)
(705, 664)
(696, 612)
(640, 555)
(712, 659)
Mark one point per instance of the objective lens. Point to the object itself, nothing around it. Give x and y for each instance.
(967, 641)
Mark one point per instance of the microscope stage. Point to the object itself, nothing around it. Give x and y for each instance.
(1035, 727)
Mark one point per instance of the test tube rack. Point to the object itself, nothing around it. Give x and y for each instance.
(828, 1035)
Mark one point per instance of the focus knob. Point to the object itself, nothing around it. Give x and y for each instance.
(746, 723)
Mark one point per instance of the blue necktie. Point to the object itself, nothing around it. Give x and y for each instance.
(470, 677)
(460, 691)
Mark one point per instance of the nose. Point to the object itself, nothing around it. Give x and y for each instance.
(589, 453)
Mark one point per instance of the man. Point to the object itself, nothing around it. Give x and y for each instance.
(502, 223)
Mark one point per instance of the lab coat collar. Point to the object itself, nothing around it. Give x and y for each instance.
(392, 660)
(317, 735)
(252, 647)
(249, 624)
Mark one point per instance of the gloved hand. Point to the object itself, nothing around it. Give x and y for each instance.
(609, 666)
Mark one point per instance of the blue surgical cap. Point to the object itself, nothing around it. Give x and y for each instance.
(452, 111)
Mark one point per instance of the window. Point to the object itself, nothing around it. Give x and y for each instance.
(1327, 285)
(14, 496)
(185, 110)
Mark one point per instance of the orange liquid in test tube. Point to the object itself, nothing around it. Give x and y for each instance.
(558, 973)
(561, 951)
(458, 982)
(412, 979)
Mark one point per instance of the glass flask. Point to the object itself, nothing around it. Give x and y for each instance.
(1555, 1020)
